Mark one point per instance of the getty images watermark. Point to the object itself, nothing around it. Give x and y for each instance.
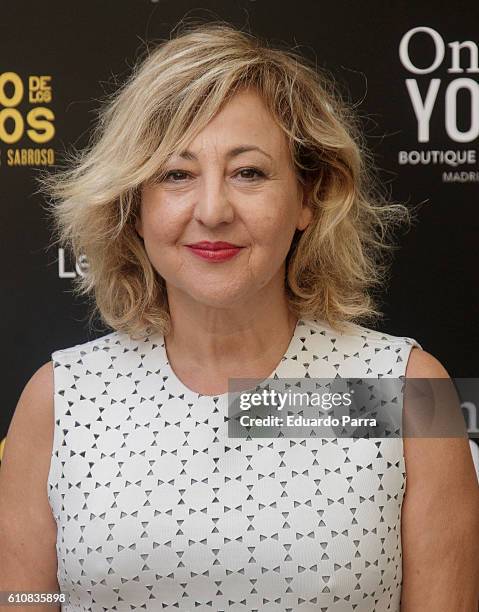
(351, 407)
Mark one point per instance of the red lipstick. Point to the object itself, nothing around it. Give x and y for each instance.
(214, 251)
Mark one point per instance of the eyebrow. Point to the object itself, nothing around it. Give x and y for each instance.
(230, 154)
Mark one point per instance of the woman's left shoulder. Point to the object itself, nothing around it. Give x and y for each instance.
(422, 364)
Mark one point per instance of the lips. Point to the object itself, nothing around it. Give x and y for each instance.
(214, 252)
(205, 245)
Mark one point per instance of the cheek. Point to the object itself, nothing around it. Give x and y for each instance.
(160, 227)
(276, 227)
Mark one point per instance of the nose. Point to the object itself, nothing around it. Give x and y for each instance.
(212, 205)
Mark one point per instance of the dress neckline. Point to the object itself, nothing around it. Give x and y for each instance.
(184, 389)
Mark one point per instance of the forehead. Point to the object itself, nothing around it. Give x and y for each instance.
(243, 119)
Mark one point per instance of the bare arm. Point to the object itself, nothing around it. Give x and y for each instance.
(440, 516)
(28, 560)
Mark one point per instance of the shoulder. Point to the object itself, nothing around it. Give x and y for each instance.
(78, 369)
(106, 341)
(36, 398)
(354, 350)
(31, 427)
(358, 333)
(350, 350)
(422, 364)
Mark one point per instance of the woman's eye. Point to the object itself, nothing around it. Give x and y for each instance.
(251, 172)
(174, 173)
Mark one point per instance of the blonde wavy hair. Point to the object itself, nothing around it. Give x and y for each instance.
(333, 267)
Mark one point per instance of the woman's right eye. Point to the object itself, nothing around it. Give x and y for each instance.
(174, 173)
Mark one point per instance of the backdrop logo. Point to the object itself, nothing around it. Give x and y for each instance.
(19, 120)
(80, 268)
(460, 96)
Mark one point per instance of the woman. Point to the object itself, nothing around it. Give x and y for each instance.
(232, 230)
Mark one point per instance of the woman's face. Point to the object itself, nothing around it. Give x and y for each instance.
(235, 183)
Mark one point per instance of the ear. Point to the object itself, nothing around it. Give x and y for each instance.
(139, 226)
(306, 214)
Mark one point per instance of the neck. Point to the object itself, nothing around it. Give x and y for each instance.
(227, 339)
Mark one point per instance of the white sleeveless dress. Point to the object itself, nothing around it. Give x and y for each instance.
(157, 509)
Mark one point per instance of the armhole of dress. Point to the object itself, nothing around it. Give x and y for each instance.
(413, 342)
(53, 466)
(410, 343)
